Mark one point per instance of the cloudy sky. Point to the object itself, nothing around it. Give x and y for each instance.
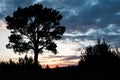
(85, 21)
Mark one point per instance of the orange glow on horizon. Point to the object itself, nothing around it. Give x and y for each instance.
(52, 66)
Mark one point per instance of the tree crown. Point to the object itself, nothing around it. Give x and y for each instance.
(34, 27)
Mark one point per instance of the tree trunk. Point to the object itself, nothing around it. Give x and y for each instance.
(35, 57)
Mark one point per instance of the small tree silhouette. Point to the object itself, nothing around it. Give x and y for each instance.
(25, 61)
(47, 67)
(34, 28)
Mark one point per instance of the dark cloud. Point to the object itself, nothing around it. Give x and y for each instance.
(54, 56)
(9, 6)
(64, 58)
(72, 57)
(96, 16)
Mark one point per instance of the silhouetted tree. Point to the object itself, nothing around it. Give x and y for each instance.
(34, 28)
(25, 61)
(11, 62)
(100, 57)
(47, 67)
(21, 61)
